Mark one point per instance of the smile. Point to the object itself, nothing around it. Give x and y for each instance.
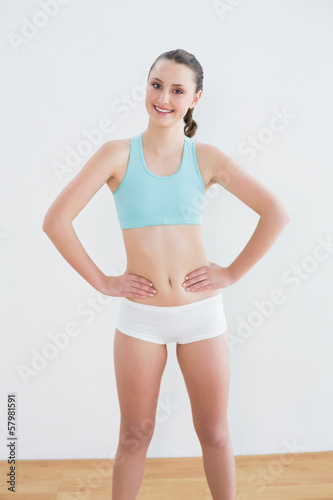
(161, 112)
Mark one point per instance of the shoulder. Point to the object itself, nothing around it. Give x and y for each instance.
(116, 152)
(209, 152)
(116, 147)
(212, 159)
(202, 147)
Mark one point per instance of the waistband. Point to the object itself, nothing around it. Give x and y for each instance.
(192, 305)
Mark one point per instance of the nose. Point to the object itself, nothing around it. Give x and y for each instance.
(164, 98)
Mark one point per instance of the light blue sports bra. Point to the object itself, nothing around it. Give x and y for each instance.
(146, 199)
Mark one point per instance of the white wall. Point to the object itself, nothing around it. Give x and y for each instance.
(261, 59)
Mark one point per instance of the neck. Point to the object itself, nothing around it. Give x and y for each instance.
(165, 140)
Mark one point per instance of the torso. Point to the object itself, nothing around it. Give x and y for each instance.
(164, 254)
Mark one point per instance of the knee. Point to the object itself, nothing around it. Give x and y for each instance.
(136, 435)
(213, 434)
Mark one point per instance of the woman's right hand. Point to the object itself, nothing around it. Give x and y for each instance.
(128, 285)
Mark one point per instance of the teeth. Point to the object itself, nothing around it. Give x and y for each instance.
(163, 110)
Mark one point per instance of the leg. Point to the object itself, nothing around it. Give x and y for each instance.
(139, 367)
(205, 366)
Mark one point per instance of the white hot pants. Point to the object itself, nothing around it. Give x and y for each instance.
(198, 320)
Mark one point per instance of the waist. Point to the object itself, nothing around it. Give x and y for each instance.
(170, 296)
(165, 255)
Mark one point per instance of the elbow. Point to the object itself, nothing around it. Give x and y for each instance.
(283, 217)
(48, 222)
(52, 223)
(45, 225)
(284, 214)
(281, 212)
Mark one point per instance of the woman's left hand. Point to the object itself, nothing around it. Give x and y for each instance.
(208, 278)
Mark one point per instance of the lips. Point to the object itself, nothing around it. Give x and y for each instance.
(167, 111)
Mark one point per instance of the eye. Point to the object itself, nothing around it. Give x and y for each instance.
(159, 86)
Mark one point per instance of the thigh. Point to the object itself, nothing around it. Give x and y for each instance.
(139, 367)
(205, 365)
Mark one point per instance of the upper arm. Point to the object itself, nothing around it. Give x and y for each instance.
(79, 191)
(232, 176)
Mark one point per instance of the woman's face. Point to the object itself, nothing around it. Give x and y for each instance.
(162, 92)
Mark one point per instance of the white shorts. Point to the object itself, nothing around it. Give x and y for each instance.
(198, 320)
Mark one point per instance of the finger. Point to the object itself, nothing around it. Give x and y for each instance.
(142, 287)
(194, 277)
(140, 279)
(197, 285)
(140, 292)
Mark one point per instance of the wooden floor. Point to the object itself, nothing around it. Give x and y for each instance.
(301, 476)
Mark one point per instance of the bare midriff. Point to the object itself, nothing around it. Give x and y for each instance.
(164, 255)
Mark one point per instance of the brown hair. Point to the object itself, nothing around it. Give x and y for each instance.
(181, 56)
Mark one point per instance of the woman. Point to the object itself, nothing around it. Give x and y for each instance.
(170, 291)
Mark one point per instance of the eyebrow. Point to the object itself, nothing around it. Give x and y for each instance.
(173, 85)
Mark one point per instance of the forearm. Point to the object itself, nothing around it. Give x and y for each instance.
(269, 227)
(64, 237)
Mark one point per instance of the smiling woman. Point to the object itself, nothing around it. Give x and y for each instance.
(170, 291)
